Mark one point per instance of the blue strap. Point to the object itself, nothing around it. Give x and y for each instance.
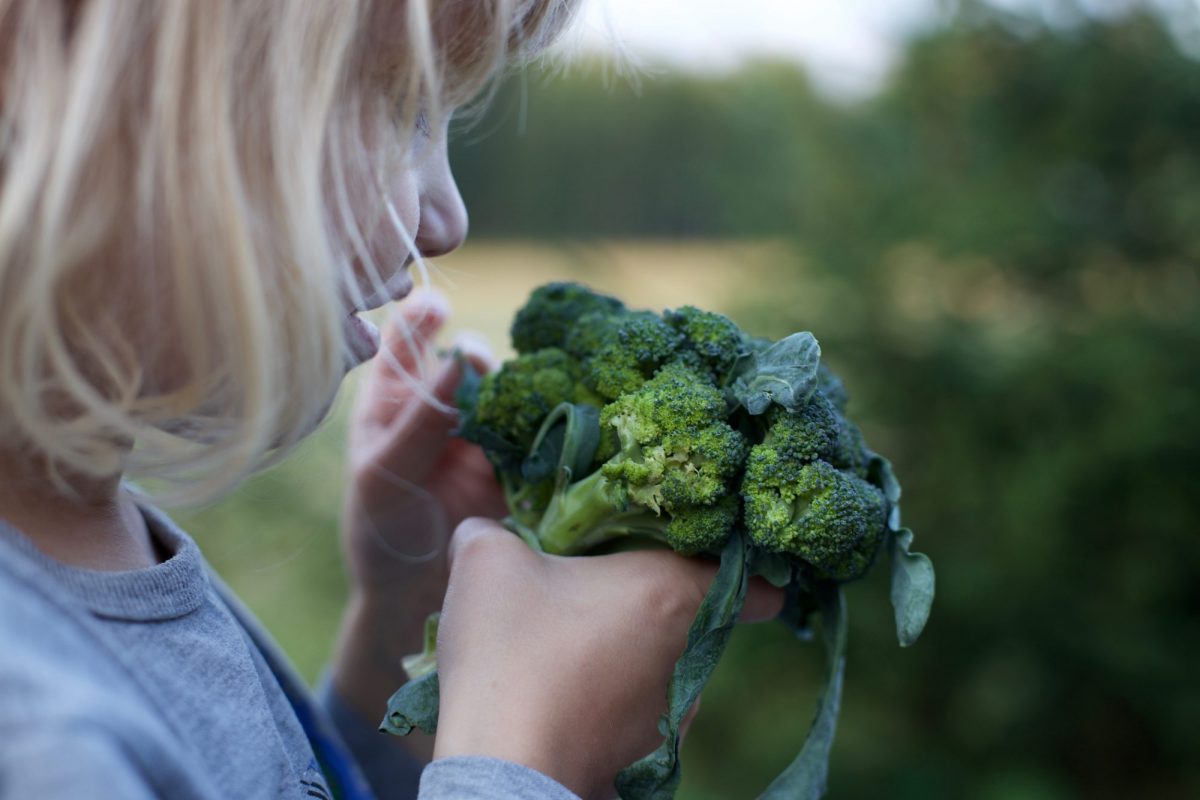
(345, 780)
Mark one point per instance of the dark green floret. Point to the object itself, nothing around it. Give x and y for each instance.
(552, 311)
(619, 352)
(514, 400)
(714, 341)
(830, 519)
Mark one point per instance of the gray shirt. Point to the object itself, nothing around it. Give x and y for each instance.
(159, 683)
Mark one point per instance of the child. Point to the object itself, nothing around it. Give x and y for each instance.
(196, 201)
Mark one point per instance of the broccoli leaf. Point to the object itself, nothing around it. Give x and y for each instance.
(656, 776)
(466, 396)
(805, 778)
(799, 604)
(881, 474)
(912, 587)
(568, 439)
(784, 373)
(414, 705)
(775, 568)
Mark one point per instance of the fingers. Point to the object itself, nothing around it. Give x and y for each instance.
(410, 331)
(421, 427)
(763, 601)
(692, 577)
(394, 372)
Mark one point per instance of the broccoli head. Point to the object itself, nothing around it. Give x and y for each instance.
(828, 518)
(616, 428)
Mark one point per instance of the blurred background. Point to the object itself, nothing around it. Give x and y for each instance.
(989, 214)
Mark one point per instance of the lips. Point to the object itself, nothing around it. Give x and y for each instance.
(362, 337)
(397, 287)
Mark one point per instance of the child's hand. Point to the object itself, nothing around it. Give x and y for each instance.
(562, 664)
(410, 484)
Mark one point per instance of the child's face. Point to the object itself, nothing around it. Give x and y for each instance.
(426, 203)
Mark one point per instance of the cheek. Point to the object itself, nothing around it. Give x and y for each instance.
(383, 219)
(401, 208)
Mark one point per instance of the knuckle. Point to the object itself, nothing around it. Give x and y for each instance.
(480, 543)
(671, 598)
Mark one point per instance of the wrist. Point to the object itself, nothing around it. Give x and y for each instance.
(366, 666)
(482, 720)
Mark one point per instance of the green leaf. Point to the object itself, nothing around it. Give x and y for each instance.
(799, 604)
(807, 776)
(881, 474)
(466, 396)
(784, 373)
(775, 568)
(414, 705)
(656, 777)
(912, 587)
(567, 439)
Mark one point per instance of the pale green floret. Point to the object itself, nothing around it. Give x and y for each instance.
(677, 457)
(830, 519)
(676, 448)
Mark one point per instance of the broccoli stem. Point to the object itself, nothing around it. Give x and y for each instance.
(583, 515)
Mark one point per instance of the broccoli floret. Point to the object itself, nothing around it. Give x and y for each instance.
(808, 435)
(514, 400)
(850, 451)
(677, 462)
(553, 311)
(676, 448)
(619, 352)
(714, 342)
(703, 529)
(830, 519)
(818, 431)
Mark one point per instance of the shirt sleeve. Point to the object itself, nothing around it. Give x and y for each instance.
(480, 778)
(392, 772)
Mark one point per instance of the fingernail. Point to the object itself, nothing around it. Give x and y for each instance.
(431, 300)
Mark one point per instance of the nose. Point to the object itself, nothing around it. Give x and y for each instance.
(443, 225)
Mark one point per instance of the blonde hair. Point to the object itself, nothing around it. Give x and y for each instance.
(175, 219)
